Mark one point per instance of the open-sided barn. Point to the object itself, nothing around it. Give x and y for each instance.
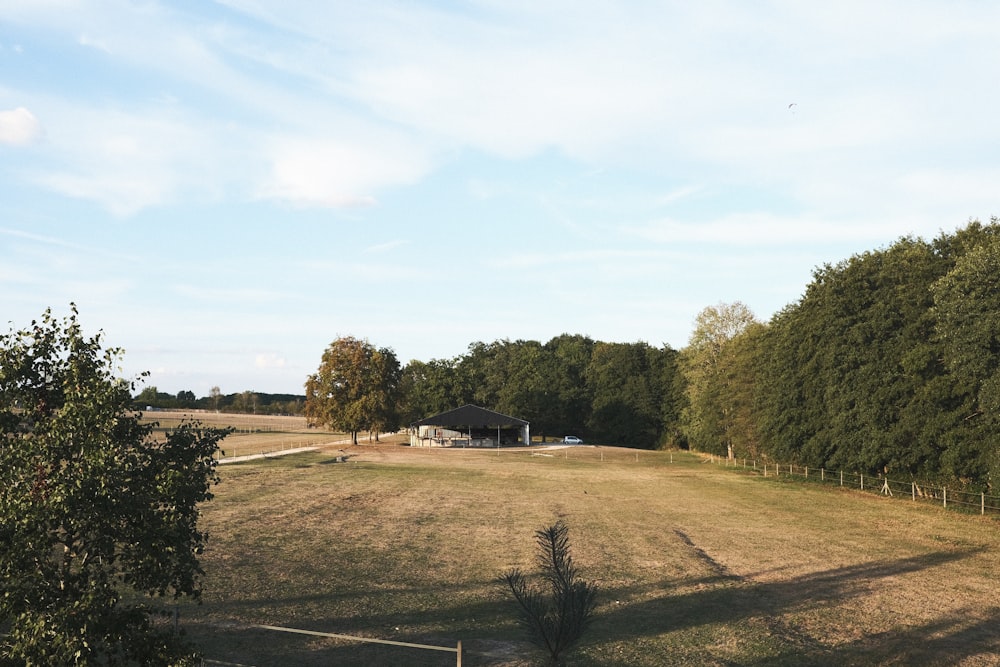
(469, 426)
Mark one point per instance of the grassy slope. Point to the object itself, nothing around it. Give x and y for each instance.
(695, 564)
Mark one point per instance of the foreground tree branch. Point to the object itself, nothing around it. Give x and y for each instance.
(95, 514)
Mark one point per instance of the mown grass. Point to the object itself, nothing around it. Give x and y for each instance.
(695, 564)
(251, 434)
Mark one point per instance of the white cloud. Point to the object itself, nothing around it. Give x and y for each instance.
(687, 86)
(269, 360)
(99, 44)
(340, 172)
(19, 127)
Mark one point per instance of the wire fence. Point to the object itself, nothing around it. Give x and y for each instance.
(952, 498)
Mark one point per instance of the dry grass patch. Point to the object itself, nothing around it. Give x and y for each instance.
(252, 434)
(695, 564)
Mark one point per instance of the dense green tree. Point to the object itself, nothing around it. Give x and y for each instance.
(523, 377)
(553, 386)
(186, 399)
(865, 372)
(627, 387)
(481, 373)
(570, 396)
(838, 370)
(153, 397)
(429, 388)
(355, 388)
(967, 321)
(384, 399)
(737, 375)
(94, 513)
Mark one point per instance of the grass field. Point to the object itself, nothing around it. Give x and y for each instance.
(252, 434)
(696, 564)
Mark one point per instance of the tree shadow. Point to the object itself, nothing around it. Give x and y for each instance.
(947, 640)
(726, 599)
(228, 631)
(485, 622)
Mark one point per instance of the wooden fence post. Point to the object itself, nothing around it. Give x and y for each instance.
(841, 477)
(862, 481)
(982, 503)
(944, 489)
(913, 489)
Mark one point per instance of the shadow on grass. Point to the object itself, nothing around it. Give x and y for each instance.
(438, 616)
(727, 600)
(485, 623)
(945, 641)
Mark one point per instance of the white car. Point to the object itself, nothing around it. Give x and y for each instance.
(572, 440)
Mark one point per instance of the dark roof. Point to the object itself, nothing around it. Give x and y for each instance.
(471, 415)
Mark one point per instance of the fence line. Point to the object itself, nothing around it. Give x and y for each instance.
(916, 491)
(429, 647)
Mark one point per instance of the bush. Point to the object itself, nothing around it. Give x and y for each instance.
(555, 618)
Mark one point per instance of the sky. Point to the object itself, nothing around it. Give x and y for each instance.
(224, 188)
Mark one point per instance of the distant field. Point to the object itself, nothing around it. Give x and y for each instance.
(696, 564)
(253, 434)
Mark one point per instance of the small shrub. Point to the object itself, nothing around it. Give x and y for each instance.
(555, 618)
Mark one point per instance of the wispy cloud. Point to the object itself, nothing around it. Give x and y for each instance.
(88, 41)
(269, 360)
(386, 247)
(19, 127)
(229, 296)
(760, 229)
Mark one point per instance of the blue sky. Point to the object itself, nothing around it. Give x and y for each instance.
(225, 187)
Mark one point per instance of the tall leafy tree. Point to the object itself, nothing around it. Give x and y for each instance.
(429, 388)
(95, 515)
(523, 377)
(384, 399)
(710, 410)
(967, 320)
(862, 372)
(355, 388)
(627, 390)
(738, 376)
(571, 398)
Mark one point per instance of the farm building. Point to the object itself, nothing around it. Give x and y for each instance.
(469, 426)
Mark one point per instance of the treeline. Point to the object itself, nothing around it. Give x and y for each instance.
(248, 402)
(888, 364)
(613, 393)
